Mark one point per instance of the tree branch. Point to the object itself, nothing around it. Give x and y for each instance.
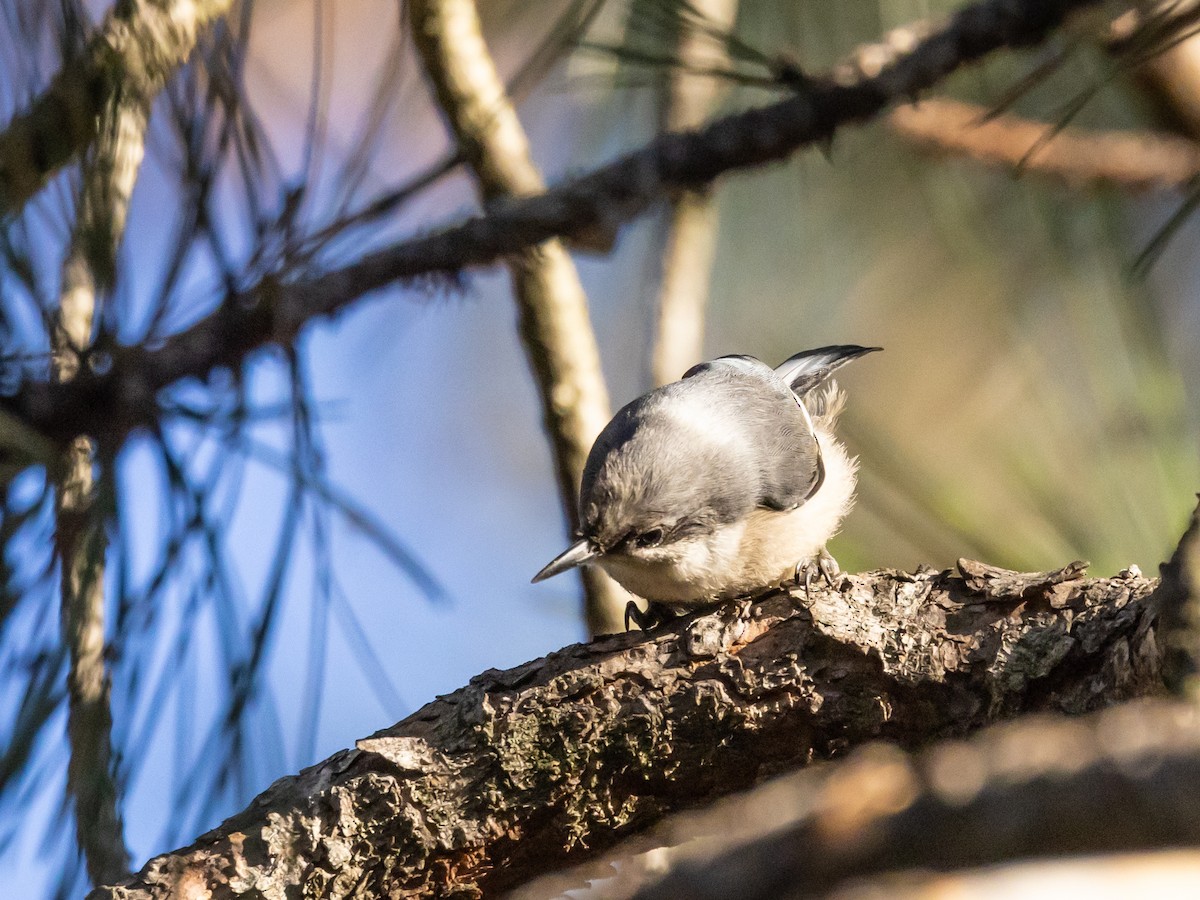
(139, 46)
(1116, 781)
(109, 172)
(1132, 160)
(587, 210)
(553, 761)
(79, 535)
(555, 328)
(691, 227)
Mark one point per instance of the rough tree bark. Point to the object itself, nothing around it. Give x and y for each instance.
(553, 321)
(552, 762)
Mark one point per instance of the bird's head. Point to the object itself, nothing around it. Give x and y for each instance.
(664, 472)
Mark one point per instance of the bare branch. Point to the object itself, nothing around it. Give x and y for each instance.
(109, 172)
(587, 209)
(138, 47)
(551, 762)
(90, 782)
(554, 325)
(1133, 160)
(691, 236)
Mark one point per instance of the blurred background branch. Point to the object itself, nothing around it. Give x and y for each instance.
(112, 157)
(1114, 781)
(690, 240)
(552, 310)
(1080, 158)
(1162, 38)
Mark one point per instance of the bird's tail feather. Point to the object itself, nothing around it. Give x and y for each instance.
(809, 369)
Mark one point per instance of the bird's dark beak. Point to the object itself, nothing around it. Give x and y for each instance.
(577, 554)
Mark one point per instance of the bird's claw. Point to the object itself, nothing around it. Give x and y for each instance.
(821, 564)
(655, 614)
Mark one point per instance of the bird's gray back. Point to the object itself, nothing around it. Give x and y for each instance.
(726, 439)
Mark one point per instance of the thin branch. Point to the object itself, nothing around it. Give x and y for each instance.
(1132, 160)
(588, 210)
(138, 47)
(526, 770)
(691, 229)
(553, 321)
(109, 173)
(99, 832)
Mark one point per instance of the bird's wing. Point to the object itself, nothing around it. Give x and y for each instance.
(789, 458)
(769, 420)
(772, 430)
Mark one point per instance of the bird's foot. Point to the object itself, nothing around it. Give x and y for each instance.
(655, 614)
(820, 564)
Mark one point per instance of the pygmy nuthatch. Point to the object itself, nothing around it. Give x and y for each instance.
(719, 485)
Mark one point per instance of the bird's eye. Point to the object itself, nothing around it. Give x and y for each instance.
(651, 538)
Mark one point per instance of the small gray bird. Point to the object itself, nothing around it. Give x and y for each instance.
(720, 485)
